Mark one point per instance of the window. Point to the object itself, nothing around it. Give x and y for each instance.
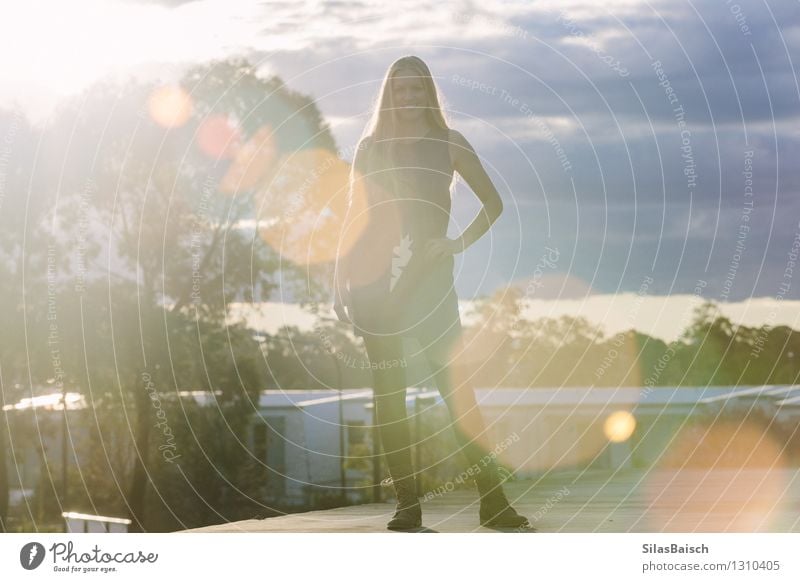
(356, 432)
(269, 446)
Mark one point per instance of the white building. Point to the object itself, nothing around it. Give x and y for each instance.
(302, 436)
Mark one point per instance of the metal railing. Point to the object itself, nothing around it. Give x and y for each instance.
(86, 523)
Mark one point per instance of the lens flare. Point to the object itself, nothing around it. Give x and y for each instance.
(303, 211)
(218, 137)
(372, 232)
(253, 163)
(619, 426)
(170, 106)
(724, 477)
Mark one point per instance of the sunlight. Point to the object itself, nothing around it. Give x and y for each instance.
(51, 50)
(63, 41)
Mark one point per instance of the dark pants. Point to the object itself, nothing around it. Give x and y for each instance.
(390, 395)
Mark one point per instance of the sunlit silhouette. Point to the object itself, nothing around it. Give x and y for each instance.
(397, 279)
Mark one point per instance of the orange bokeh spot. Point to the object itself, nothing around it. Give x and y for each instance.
(218, 137)
(725, 477)
(619, 426)
(252, 164)
(170, 106)
(304, 211)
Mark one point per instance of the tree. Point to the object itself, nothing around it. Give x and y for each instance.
(25, 272)
(168, 178)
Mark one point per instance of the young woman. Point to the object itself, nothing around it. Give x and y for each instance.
(396, 280)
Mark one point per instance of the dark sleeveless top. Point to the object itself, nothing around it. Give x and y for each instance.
(395, 290)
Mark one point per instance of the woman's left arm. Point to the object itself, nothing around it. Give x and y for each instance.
(468, 165)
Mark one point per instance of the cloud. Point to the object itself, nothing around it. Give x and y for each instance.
(561, 79)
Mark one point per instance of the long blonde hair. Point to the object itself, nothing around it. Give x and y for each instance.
(382, 126)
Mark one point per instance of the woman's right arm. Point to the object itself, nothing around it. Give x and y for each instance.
(341, 292)
(341, 300)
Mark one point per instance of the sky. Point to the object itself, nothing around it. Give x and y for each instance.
(633, 143)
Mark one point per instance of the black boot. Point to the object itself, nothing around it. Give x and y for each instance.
(495, 509)
(409, 512)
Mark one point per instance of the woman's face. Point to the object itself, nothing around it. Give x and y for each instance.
(408, 95)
